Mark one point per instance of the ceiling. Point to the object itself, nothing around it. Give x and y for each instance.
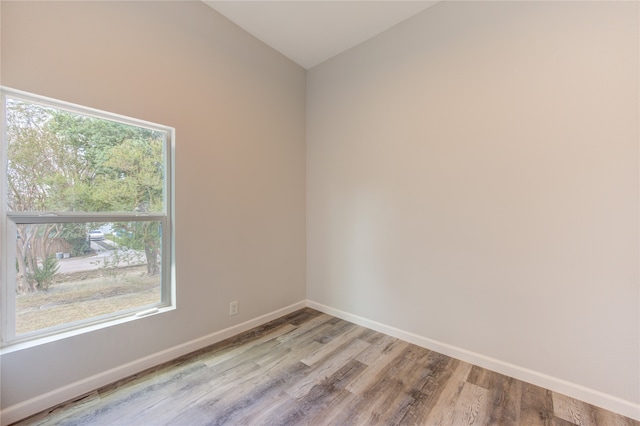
(311, 31)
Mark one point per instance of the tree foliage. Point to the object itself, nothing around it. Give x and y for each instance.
(59, 161)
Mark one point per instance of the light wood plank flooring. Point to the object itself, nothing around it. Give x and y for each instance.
(309, 368)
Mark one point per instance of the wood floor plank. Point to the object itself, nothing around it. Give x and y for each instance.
(571, 410)
(117, 407)
(506, 399)
(315, 325)
(536, 406)
(410, 377)
(329, 366)
(337, 329)
(441, 413)
(420, 355)
(386, 355)
(265, 341)
(296, 346)
(308, 368)
(314, 402)
(470, 408)
(334, 413)
(581, 413)
(557, 421)
(505, 395)
(436, 373)
(403, 391)
(481, 377)
(343, 377)
(282, 359)
(301, 316)
(233, 404)
(331, 346)
(380, 344)
(372, 403)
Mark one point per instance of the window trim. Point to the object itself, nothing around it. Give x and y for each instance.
(9, 220)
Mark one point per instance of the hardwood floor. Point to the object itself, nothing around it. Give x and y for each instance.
(309, 368)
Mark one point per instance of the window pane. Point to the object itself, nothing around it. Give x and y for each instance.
(68, 162)
(69, 272)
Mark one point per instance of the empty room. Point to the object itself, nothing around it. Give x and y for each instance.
(320, 212)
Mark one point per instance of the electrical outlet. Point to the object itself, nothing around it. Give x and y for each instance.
(233, 308)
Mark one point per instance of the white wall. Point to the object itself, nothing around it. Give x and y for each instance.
(238, 108)
(473, 179)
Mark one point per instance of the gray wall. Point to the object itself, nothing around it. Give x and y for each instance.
(472, 178)
(238, 108)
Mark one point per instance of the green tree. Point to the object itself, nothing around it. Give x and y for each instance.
(138, 185)
(37, 164)
(62, 161)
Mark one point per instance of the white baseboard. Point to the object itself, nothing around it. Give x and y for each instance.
(591, 396)
(50, 399)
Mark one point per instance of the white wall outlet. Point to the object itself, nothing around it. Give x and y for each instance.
(233, 308)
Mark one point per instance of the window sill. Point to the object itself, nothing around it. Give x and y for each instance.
(22, 345)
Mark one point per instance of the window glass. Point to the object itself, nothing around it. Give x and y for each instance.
(85, 270)
(64, 161)
(86, 223)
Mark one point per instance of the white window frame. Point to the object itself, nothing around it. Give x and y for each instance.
(9, 220)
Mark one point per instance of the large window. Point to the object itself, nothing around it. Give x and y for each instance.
(85, 217)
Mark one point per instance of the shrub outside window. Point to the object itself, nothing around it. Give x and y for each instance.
(85, 217)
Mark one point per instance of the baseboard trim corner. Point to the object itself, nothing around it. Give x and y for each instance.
(58, 396)
(591, 396)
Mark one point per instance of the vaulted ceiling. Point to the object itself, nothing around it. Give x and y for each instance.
(311, 31)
